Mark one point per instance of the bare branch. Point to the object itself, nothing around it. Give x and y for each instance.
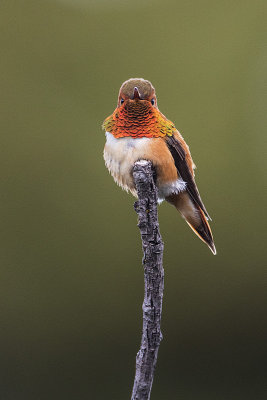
(146, 208)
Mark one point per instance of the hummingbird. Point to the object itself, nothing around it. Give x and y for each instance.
(137, 130)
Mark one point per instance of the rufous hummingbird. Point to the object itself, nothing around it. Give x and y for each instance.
(137, 130)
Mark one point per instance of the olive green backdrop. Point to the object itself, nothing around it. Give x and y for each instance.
(71, 279)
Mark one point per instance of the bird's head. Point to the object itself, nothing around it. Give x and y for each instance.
(137, 91)
(137, 113)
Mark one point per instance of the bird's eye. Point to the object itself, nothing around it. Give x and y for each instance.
(122, 101)
(153, 101)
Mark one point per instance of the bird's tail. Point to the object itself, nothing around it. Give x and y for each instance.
(194, 216)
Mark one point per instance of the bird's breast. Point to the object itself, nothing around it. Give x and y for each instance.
(120, 154)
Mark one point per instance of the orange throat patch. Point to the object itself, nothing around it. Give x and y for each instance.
(138, 119)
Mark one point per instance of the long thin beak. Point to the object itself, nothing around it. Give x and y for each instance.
(136, 93)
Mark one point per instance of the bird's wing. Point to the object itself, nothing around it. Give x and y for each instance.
(184, 164)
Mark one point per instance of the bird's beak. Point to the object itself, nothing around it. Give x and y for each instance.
(136, 93)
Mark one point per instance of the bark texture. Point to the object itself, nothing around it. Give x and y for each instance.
(147, 210)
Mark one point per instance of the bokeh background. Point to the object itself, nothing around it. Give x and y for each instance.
(71, 279)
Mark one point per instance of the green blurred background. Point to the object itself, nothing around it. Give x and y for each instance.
(71, 275)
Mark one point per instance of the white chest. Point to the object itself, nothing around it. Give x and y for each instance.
(120, 156)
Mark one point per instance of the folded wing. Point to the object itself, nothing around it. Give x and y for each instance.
(182, 158)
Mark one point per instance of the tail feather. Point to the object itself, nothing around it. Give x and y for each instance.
(194, 216)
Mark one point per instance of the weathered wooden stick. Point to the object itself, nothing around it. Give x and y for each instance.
(146, 208)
